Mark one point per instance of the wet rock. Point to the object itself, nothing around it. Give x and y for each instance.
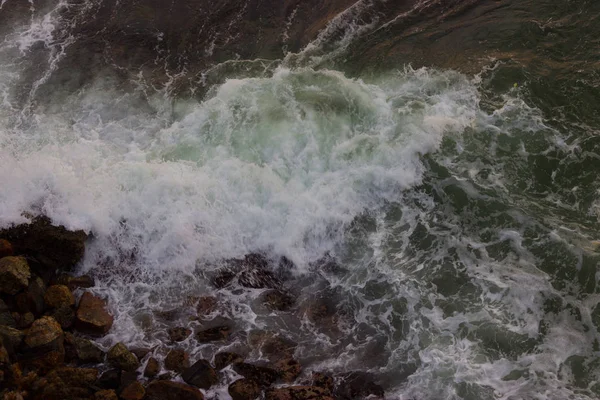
(25, 321)
(275, 346)
(127, 378)
(299, 393)
(179, 334)
(53, 247)
(200, 374)
(218, 333)
(121, 357)
(206, 305)
(224, 359)
(167, 376)
(81, 350)
(152, 368)
(106, 395)
(244, 389)
(58, 296)
(69, 383)
(357, 385)
(43, 346)
(110, 379)
(6, 248)
(134, 391)
(277, 300)
(11, 338)
(166, 390)
(323, 380)
(4, 357)
(65, 316)
(91, 316)
(288, 369)
(140, 353)
(6, 317)
(43, 332)
(177, 360)
(75, 282)
(258, 279)
(264, 376)
(32, 299)
(223, 278)
(14, 275)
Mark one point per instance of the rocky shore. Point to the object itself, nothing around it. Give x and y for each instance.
(49, 319)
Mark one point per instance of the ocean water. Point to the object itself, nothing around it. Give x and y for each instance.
(459, 199)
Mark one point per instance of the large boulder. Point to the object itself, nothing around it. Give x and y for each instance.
(201, 374)
(14, 275)
(43, 332)
(92, 317)
(43, 346)
(167, 390)
(59, 295)
(177, 360)
(121, 357)
(244, 389)
(299, 393)
(53, 247)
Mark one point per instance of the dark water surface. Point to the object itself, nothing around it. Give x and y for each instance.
(445, 153)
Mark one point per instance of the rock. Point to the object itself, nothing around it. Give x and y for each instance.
(106, 395)
(91, 316)
(258, 279)
(177, 360)
(134, 391)
(299, 393)
(75, 282)
(167, 390)
(152, 368)
(218, 333)
(110, 379)
(127, 378)
(201, 374)
(6, 248)
(224, 359)
(275, 346)
(244, 389)
(14, 275)
(120, 357)
(11, 339)
(288, 369)
(167, 376)
(58, 295)
(69, 383)
(4, 357)
(53, 247)
(42, 332)
(206, 306)
(223, 279)
(6, 317)
(14, 395)
(357, 385)
(25, 321)
(65, 316)
(82, 350)
(264, 376)
(322, 380)
(179, 334)
(140, 352)
(32, 299)
(277, 300)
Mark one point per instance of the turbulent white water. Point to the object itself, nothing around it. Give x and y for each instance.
(299, 162)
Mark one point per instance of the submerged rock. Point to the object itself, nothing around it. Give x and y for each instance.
(277, 300)
(244, 389)
(177, 360)
(323, 380)
(201, 374)
(121, 357)
(206, 306)
(92, 316)
(299, 393)
(58, 295)
(357, 385)
(218, 333)
(167, 390)
(14, 275)
(179, 334)
(288, 369)
(264, 376)
(224, 359)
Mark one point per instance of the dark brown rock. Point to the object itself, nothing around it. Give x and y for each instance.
(224, 359)
(58, 295)
(179, 334)
(43, 346)
(75, 282)
(4, 357)
(288, 369)
(134, 391)
(53, 247)
(277, 300)
(6, 317)
(223, 278)
(200, 374)
(14, 275)
(258, 278)
(177, 360)
(166, 390)
(42, 332)
(68, 383)
(152, 368)
(140, 352)
(106, 395)
(110, 379)
(218, 333)
(121, 357)
(82, 350)
(206, 306)
(275, 346)
(25, 321)
(11, 339)
(244, 389)
(167, 376)
(65, 316)
(357, 385)
(6, 248)
(264, 376)
(32, 299)
(323, 380)
(92, 316)
(299, 393)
